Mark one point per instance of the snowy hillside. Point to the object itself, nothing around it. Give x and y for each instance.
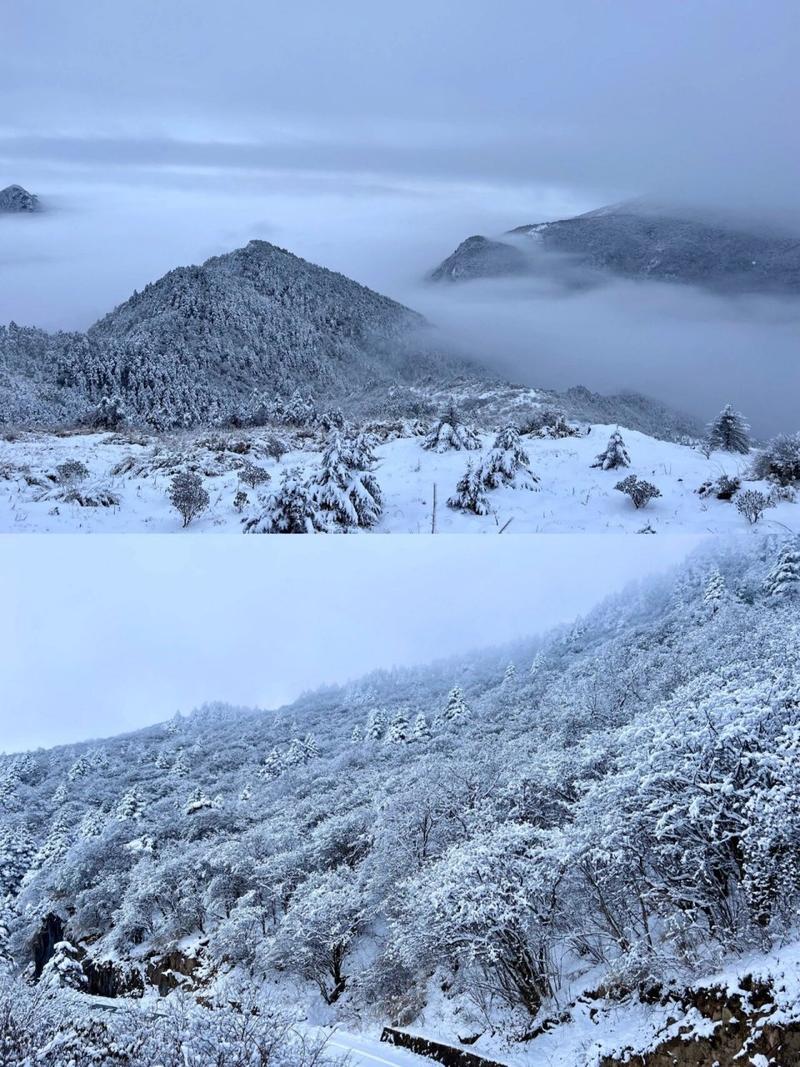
(639, 240)
(563, 852)
(122, 482)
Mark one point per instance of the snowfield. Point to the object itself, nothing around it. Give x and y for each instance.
(126, 489)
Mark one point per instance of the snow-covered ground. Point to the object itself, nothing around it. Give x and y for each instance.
(571, 496)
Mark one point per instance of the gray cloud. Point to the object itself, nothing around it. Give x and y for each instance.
(689, 99)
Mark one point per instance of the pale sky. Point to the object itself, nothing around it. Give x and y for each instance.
(99, 635)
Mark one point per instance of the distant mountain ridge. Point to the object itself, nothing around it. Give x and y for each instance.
(14, 200)
(637, 239)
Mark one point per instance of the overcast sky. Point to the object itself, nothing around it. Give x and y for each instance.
(373, 138)
(99, 635)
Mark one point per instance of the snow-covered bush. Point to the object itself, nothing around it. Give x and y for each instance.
(253, 475)
(449, 433)
(470, 494)
(549, 422)
(291, 508)
(780, 460)
(614, 455)
(187, 495)
(239, 1027)
(640, 491)
(728, 432)
(752, 503)
(723, 488)
(71, 471)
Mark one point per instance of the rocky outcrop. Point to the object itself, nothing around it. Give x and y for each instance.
(746, 1023)
(435, 1050)
(172, 971)
(14, 200)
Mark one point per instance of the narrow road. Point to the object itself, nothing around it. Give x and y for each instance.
(369, 1052)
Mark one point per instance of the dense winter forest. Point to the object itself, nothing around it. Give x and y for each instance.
(487, 848)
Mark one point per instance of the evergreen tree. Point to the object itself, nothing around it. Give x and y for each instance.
(376, 725)
(357, 736)
(92, 824)
(130, 806)
(470, 494)
(510, 675)
(456, 710)
(783, 579)
(449, 434)
(615, 454)
(398, 729)
(714, 591)
(296, 754)
(63, 970)
(728, 432)
(180, 766)
(421, 733)
(198, 801)
(272, 767)
(289, 509)
(507, 462)
(310, 746)
(16, 854)
(344, 490)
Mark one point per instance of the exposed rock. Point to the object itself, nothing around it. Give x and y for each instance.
(14, 199)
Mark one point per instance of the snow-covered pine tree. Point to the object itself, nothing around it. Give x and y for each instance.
(16, 854)
(457, 710)
(181, 767)
(272, 767)
(509, 675)
(714, 590)
(728, 432)
(398, 728)
(449, 434)
(63, 970)
(357, 736)
(246, 795)
(55, 846)
(197, 801)
(92, 824)
(296, 754)
(80, 768)
(470, 494)
(291, 508)
(507, 462)
(163, 760)
(783, 579)
(349, 495)
(376, 724)
(614, 455)
(311, 747)
(130, 806)
(421, 732)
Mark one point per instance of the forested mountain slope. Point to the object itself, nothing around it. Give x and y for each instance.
(465, 849)
(212, 342)
(637, 239)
